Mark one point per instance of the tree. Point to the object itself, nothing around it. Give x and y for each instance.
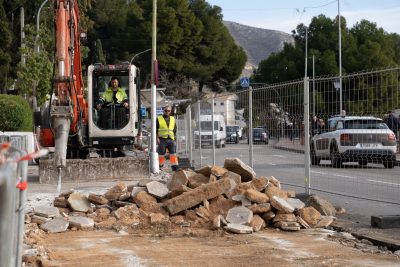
(5, 47)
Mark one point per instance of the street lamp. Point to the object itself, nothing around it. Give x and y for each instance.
(134, 56)
(36, 46)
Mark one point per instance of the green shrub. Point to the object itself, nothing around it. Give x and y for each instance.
(15, 114)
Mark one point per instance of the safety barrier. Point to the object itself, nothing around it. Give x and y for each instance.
(13, 182)
(276, 129)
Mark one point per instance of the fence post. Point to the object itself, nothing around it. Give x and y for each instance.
(251, 126)
(190, 137)
(23, 172)
(198, 120)
(213, 136)
(307, 177)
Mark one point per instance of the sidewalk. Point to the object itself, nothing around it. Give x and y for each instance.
(295, 146)
(352, 223)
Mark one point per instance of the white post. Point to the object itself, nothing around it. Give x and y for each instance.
(251, 127)
(313, 83)
(305, 69)
(213, 136)
(190, 137)
(36, 45)
(22, 13)
(154, 163)
(306, 136)
(198, 120)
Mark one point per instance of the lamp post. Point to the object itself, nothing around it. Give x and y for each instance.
(340, 60)
(36, 46)
(154, 164)
(138, 54)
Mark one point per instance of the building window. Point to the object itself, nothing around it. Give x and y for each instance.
(215, 104)
(222, 103)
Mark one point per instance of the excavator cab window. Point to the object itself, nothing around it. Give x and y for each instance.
(111, 114)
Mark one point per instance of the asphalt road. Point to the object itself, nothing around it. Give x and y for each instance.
(373, 188)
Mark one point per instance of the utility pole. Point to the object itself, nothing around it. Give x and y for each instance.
(305, 69)
(36, 45)
(340, 61)
(154, 164)
(313, 83)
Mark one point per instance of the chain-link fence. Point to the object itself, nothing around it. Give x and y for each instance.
(13, 177)
(345, 130)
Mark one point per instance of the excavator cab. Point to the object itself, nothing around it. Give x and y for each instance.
(112, 124)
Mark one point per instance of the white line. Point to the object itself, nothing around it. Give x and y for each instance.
(375, 181)
(280, 156)
(337, 175)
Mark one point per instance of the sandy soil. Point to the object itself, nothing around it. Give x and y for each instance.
(199, 247)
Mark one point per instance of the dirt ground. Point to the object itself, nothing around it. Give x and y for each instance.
(200, 247)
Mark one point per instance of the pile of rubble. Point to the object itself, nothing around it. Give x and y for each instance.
(229, 197)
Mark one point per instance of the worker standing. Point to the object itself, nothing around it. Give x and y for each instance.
(166, 132)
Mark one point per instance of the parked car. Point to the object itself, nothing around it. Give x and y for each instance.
(260, 135)
(354, 139)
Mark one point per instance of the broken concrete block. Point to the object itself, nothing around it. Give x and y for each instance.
(197, 180)
(157, 189)
(124, 196)
(325, 222)
(284, 217)
(275, 191)
(60, 202)
(127, 211)
(212, 178)
(203, 212)
(281, 204)
(137, 189)
(180, 178)
(237, 166)
(241, 198)
(239, 215)
(296, 203)
(218, 171)
(302, 222)
(97, 199)
(178, 191)
(66, 194)
(143, 198)
(116, 191)
(39, 219)
(57, 225)
(291, 194)
(288, 226)
(234, 176)
(239, 228)
(310, 215)
(259, 184)
(81, 222)
(256, 196)
(78, 202)
(143, 182)
(221, 205)
(274, 181)
(260, 208)
(46, 211)
(179, 219)
(257, 223)
(268, 216)
(385, 222)
(217, 222)
(196, 196)
(322, 205)
(205, 170)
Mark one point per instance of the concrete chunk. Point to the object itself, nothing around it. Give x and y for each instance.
(257, 223)
(260, 208)
(268, 216)
(197, 180)
(157, 189)
(137, 189)
(239, 215)
(285, 217)
(322, 205)
(46, 211)
(218, 171)
(281, 204)
(275, 191)
(180, 178)
(60, 202)
(97, 199)
(237, 166)
(310, 215)
(80, 222)
(233, 176)
(302, 222)
(78, 202)
(241, 198)
(205, 170)
(325, 222)
(116, 191)
(296, 203)
(56, 225)
(255, 196)
(39, 219)
(196, 196)
(239, 228)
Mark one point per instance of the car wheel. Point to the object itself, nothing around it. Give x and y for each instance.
(314, 159)
(389, 164)
(362, 162)
(336, 161)
(219, 145)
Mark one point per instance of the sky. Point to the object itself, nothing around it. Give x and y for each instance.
(285, 15)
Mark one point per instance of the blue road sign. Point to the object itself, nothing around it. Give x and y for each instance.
(244, 82)
(143, 111)
(159, 111)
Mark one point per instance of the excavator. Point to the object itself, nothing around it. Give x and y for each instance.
(88, 144)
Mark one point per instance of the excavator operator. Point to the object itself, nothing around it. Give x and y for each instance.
(109, 103)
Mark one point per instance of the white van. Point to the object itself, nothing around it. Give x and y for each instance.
(207, 133)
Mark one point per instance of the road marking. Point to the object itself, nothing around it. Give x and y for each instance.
(337, 175)
(279, 156)
(375, 181)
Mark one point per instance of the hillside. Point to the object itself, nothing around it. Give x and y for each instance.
(258, 43)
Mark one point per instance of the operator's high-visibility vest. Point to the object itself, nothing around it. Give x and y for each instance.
(165, 131)
(120, 95)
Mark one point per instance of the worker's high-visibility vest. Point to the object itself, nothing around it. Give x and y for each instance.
(165, 131)
(120, 95)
